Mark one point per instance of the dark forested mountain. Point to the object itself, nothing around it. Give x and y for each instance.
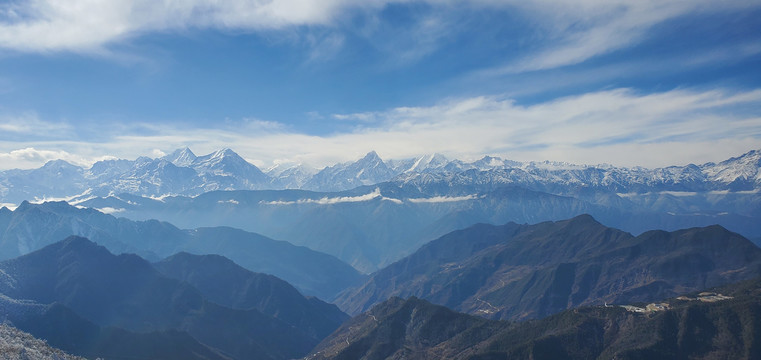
(60, 326)
(694, 327)
(126, 292)
(531, 271)
(31, 227)
(222, 281)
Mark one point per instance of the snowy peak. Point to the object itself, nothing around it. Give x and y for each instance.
(59, 164)
(492, 162)
(371, 160)
(428, 162)
(290, 176)
(222, 162)
(226, 170)
(741, 173)
(366, 171)
(181, 157)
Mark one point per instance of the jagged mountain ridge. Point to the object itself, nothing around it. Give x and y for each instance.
(184, 173)
(532, 271)
(416, 329)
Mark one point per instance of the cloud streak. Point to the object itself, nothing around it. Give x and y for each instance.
(567, 31)
(89, 26)
(330, 201)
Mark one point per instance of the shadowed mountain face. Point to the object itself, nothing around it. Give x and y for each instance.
(689, 329)
(531, 271)
(63, 328)
(31, 227)
(225, 283)
(126, 292)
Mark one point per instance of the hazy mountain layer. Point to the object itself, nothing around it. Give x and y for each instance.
(372, 227)
(31, 227)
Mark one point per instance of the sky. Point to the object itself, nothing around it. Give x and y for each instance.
(622, 82)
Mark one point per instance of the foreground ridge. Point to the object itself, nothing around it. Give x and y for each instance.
(416, 329)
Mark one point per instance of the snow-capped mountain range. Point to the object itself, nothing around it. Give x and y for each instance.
(184, 173)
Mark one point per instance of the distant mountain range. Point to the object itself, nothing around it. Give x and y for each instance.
(184, 173)
(423, 198)
(86, 301)
(33, 226)
(683, 328)
(520, 272)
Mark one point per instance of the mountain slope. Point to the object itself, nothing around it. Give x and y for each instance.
(224, 282)
(519, 271)
(126, 292)
(687, 329)
(16, 345)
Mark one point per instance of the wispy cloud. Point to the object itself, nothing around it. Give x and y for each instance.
(29, 124)
(330, 200)
(376, 194)
(31, 157)
(443, 199)
(90, 26)
(566, 31)
(575, 31)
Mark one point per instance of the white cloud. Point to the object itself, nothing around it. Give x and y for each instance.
(574, 31)
(567, 31)
(443, 199)
(10, 206)
(31, 157)
(371, 196)
(330, 201)
(110, 210)
(27, 124)
(618, 126)
(90, 25)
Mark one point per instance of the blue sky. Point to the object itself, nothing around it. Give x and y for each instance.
(626, 82)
